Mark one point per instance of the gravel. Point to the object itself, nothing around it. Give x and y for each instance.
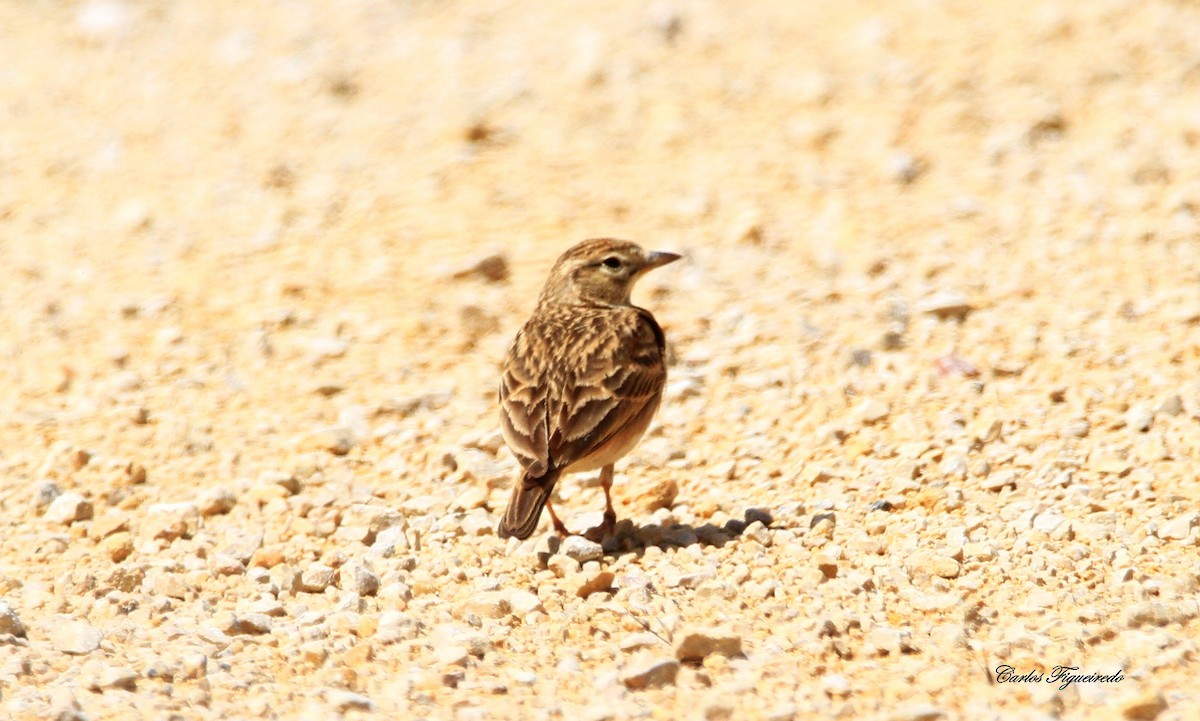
(932, 404)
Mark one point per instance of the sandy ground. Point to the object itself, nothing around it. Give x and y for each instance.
(933, 409)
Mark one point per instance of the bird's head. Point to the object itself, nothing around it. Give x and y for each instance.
(601, 270)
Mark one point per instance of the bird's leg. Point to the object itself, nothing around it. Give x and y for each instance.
(559, 528)
(610, 516)
(605, 529)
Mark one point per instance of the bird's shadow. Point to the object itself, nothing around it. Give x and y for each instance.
(631, 539)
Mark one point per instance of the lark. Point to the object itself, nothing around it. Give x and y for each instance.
(582, 379)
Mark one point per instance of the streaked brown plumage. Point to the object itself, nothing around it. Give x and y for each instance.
(583, 378)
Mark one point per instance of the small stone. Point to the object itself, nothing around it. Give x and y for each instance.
(782, 712)
(563, 566)
(395, 626)
(1179, 528)
(826, 561)
(285, 480)
(69, 508)
(986, 428)
(904, 168)
(1140, 417)
(216, 501)
(954, 467)
(477, 523)
(1048, 521)
(953, 364)
(923, 564)
(194, 666)
(44, 494)
(889, 641)
(171, 585)
(343, 701)
(469, 500)
(328, 389)
(872, 410)
(646, 672)
(171, 521)
(1040, 598)
(1077, 429)
(117, 547)
(453, 655)
(63, 706)
(489, 604)
(243, 543)
(491, 268)
(251, 623)
(316, 578)
(581, 549)
(524, 602)
(695, 646)
(756, 531)
(125, 578)
(395, 591)
(389, 541)
(1000, 480)
(337, 440)
(919, 712)
(322, 349)
(357, 578)
(74, 637)
(680, 389)
(823, 525)
(979, 551)
(661, 494)
(477, 323)
(835, 685)
(314, 652)
(598, 583)
(9, 623)
(945, 304)
(107, 525)
(100, 20)
(267, 607)
(1145, 705)
(213, 635)
(1170, 405)
(363, 522)
(126, 381)
(117, 677)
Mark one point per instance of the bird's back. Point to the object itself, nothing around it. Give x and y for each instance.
(568, 374)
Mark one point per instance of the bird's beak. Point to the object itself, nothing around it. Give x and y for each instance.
(658, 258)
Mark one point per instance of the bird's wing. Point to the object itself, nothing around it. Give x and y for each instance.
(524, 407)
(621, 369)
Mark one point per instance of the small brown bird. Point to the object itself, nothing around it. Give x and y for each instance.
(582, 380)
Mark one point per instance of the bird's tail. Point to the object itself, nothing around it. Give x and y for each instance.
(525, 506)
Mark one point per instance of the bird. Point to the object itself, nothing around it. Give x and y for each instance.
(582, 379)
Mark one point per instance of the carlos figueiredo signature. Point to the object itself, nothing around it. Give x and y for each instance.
(1064, 676)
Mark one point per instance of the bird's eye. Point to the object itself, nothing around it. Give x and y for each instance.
(612, 262)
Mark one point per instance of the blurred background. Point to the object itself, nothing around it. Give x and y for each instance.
(218, 205)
